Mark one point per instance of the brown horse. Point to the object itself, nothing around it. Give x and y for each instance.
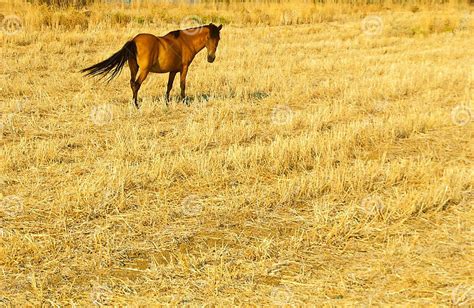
(171, 53)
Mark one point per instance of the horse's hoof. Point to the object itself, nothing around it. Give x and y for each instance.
(186, 100)
(135, 103)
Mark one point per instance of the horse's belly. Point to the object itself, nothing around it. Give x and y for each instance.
(158, 69)
(165, 68)
(166, 63)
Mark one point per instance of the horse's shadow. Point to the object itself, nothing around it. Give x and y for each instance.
(205, 97)
(198, 99)
(188, 100)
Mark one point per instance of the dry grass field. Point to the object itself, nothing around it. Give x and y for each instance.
(326, 157)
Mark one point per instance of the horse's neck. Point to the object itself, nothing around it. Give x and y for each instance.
(199, 41)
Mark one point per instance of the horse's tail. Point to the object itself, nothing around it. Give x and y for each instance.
(114, 64)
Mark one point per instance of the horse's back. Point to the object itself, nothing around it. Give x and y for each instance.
(161, 54)
(145, 36)
(145, 40)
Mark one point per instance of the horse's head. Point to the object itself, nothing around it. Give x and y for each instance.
(212, 41)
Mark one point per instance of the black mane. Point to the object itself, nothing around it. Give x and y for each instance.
(175, 33)
(212, 28)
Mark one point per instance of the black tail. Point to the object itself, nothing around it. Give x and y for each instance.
(114, 64)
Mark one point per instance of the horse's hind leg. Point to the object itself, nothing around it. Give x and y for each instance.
(132, 63)
(136, 86)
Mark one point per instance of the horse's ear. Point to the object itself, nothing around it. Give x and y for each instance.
(219, 28)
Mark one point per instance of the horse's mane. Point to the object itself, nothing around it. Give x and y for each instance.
(212, 28)
(175, 33)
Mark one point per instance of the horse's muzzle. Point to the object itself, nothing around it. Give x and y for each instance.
(211, 58)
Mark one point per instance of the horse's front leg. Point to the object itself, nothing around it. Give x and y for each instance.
(170, 86)
(184, 72)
